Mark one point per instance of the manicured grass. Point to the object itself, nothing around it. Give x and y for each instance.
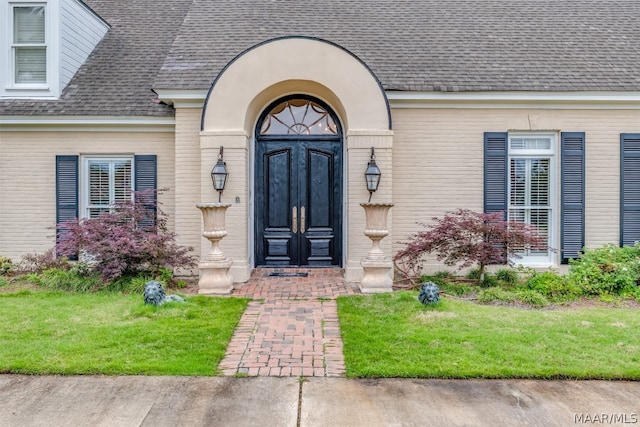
(393, 335)
(114, 334)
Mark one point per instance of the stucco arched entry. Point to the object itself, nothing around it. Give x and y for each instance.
(272, 70)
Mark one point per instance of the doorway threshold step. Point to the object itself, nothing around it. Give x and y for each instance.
(288, 274)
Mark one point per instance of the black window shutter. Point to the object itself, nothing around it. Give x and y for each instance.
(66, 192)
(495, 172)
(146, 179)
(572, 183)
(629, 188)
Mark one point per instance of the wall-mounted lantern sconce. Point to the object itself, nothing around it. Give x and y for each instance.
(372, 174)
(219, 175)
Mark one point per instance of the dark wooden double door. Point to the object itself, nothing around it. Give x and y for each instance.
(298, 201)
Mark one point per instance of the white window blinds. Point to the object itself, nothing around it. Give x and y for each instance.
(530, 169)
(110, 182)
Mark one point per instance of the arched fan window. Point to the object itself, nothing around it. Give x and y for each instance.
(298, 117)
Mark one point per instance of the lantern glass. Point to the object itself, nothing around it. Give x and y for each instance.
(373, 176)
(219, 175)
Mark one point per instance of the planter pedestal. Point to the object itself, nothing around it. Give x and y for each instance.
(377, 269)
(214, 266)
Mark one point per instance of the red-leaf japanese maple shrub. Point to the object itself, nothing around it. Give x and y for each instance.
(466, 238)
(131, 239)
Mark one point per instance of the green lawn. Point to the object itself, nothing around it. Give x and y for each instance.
(107, 333)
(393, 335)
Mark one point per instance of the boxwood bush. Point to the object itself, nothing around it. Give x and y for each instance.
(553, 286)
(607, 270)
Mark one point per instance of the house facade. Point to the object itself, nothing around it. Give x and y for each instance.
(532, 108)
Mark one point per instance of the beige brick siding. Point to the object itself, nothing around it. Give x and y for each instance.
(28, 164)
(438, 161)
(236, 155)
(187, 178)
(436, 156)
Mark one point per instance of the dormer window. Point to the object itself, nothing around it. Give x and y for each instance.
(43, 43)
(29, 47)
(30, 44)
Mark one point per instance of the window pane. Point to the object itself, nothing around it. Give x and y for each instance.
(31, 65)
(540, 219)
(28, 25)
(110, 181)
(530, 143)
(518, 182)
(96, 212)
(298, 117)
(539, 182)
(122, 181)
(99, 183)
(518, 215)
(529, 198)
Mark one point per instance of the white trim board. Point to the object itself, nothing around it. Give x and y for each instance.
(87, 124)
(552, 100)
(409, 99)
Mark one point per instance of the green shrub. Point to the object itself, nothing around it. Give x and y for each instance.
(606, 270)
(507, 277)
(473, 274)
(531, 297)
(78, 280)
(455, 289)
(635, 293)
(522, 296)
(496, 294)
(439, 278)
(129, 285)
(66, 280)
(553, 286)
(6, 265)
(489, 281)
(82, 269)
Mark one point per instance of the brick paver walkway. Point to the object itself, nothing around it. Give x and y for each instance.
(291, 326)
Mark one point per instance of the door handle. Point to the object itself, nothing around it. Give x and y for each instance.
(294, 219)
(302, 220)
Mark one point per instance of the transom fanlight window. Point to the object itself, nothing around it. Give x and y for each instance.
(298, 117)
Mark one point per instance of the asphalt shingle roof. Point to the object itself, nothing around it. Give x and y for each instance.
(117, 78)
(418, 45)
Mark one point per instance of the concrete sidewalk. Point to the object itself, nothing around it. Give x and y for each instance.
(289, 401)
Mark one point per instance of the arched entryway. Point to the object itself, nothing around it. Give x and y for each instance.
(298, 184)
(241, 96)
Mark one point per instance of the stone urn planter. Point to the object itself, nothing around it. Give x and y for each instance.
(377, 268)
(214, 265)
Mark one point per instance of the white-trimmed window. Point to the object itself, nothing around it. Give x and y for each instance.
(29, 44)
(531, 191)
(106, 181)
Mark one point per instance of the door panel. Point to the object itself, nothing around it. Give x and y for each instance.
(318, 238)
(298, 202)
(277, 246)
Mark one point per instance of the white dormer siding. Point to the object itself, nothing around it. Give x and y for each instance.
(38, 57)
(80, 32)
